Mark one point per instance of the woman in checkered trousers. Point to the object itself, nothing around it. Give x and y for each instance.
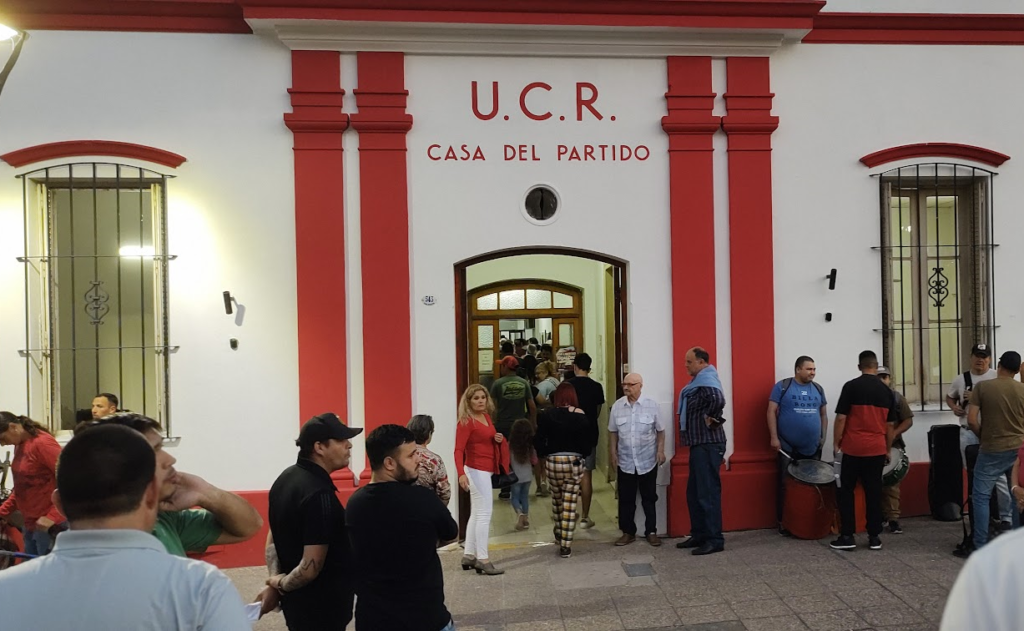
(563, 438)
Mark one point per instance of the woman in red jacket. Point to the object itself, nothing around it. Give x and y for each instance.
(35, 476)
(477, 449)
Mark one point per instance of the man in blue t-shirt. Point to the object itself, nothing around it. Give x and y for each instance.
(797, 422)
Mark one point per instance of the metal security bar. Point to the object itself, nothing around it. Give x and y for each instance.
(96, 293)
(938, 285)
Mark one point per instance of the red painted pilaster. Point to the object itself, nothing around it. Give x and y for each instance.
(690, 126)
(317, 124)
(383, 123)
(748, 488)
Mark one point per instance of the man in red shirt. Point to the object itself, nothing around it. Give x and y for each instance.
(865, 419)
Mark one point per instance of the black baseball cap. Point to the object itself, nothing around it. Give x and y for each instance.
(324, 427)
(981, 350)
(1010, 360)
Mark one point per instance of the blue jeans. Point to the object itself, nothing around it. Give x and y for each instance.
(451, 624)
(991, 466)
(37, 542)
(704, 493)
(521, 497)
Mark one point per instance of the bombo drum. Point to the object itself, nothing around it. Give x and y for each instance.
(897, 468)
(810, 499)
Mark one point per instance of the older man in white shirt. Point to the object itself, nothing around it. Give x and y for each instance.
(108, 572)
(637, 436)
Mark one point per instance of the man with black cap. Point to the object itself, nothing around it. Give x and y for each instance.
(957, 398)
(1002, 401)
(308, 552)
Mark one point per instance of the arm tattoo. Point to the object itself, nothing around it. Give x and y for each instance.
(301, 576)
(270, 555)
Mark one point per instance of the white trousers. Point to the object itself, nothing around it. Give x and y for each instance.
(481, 504)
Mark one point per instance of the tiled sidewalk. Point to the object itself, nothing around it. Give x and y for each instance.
(762, 581)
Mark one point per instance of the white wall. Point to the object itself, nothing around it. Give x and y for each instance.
(218, 100)
(837, 104)
(460, 210)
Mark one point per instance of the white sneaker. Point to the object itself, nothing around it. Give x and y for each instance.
(586, 522)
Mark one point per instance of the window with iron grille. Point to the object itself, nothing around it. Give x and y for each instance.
(95, 290)
(937, 281)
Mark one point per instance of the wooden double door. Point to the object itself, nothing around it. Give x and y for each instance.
(549, 311)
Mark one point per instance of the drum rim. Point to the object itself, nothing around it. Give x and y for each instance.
(819, 464)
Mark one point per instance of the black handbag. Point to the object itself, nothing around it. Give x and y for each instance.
(503, 479)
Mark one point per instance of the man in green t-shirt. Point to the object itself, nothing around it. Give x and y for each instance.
(221, 518)
(513, 397)
(1002, 433)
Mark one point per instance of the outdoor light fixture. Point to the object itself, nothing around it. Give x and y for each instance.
(18, 37)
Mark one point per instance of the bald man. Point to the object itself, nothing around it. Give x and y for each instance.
(637, 436)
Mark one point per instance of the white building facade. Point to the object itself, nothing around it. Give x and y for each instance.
(350, 175)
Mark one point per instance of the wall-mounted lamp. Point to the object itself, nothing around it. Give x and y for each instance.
(228, 300)
(19, 38)
(831, 278)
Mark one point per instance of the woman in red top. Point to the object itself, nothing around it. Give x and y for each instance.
(35, 476)
(477, 449)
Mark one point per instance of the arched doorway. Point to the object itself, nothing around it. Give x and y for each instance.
(576, 301)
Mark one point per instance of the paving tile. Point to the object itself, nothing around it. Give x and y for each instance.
(690, 595)
(602, 622)
(650, 600)
(780, 623)
(751, 591)
(768, 608)
(477, 618)
(528, 614)
(842, 620)
(539, 625)
(729, 625)
(579, 610)
(814, 603)
(888, 616)
(706, 613)
(861, 598)
(649, 618)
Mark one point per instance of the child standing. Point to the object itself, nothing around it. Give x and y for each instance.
(520, 442)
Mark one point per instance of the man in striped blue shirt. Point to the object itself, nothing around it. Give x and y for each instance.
(700, 427)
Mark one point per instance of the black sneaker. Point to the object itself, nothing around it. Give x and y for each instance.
(843, 543)
(874, 543)
(962, 552)
(894, 527)
(564, 552)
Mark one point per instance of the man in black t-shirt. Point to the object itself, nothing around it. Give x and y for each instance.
(308, 552)
(395, 527)
(591, 397)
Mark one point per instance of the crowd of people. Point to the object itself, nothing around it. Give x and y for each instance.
(116, 511)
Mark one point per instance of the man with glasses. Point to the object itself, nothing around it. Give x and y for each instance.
(637, 436)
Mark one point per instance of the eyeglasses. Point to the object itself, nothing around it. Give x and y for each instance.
(626, 383)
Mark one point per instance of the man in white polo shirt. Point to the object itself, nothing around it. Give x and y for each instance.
(637, 435)
(108, 571)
